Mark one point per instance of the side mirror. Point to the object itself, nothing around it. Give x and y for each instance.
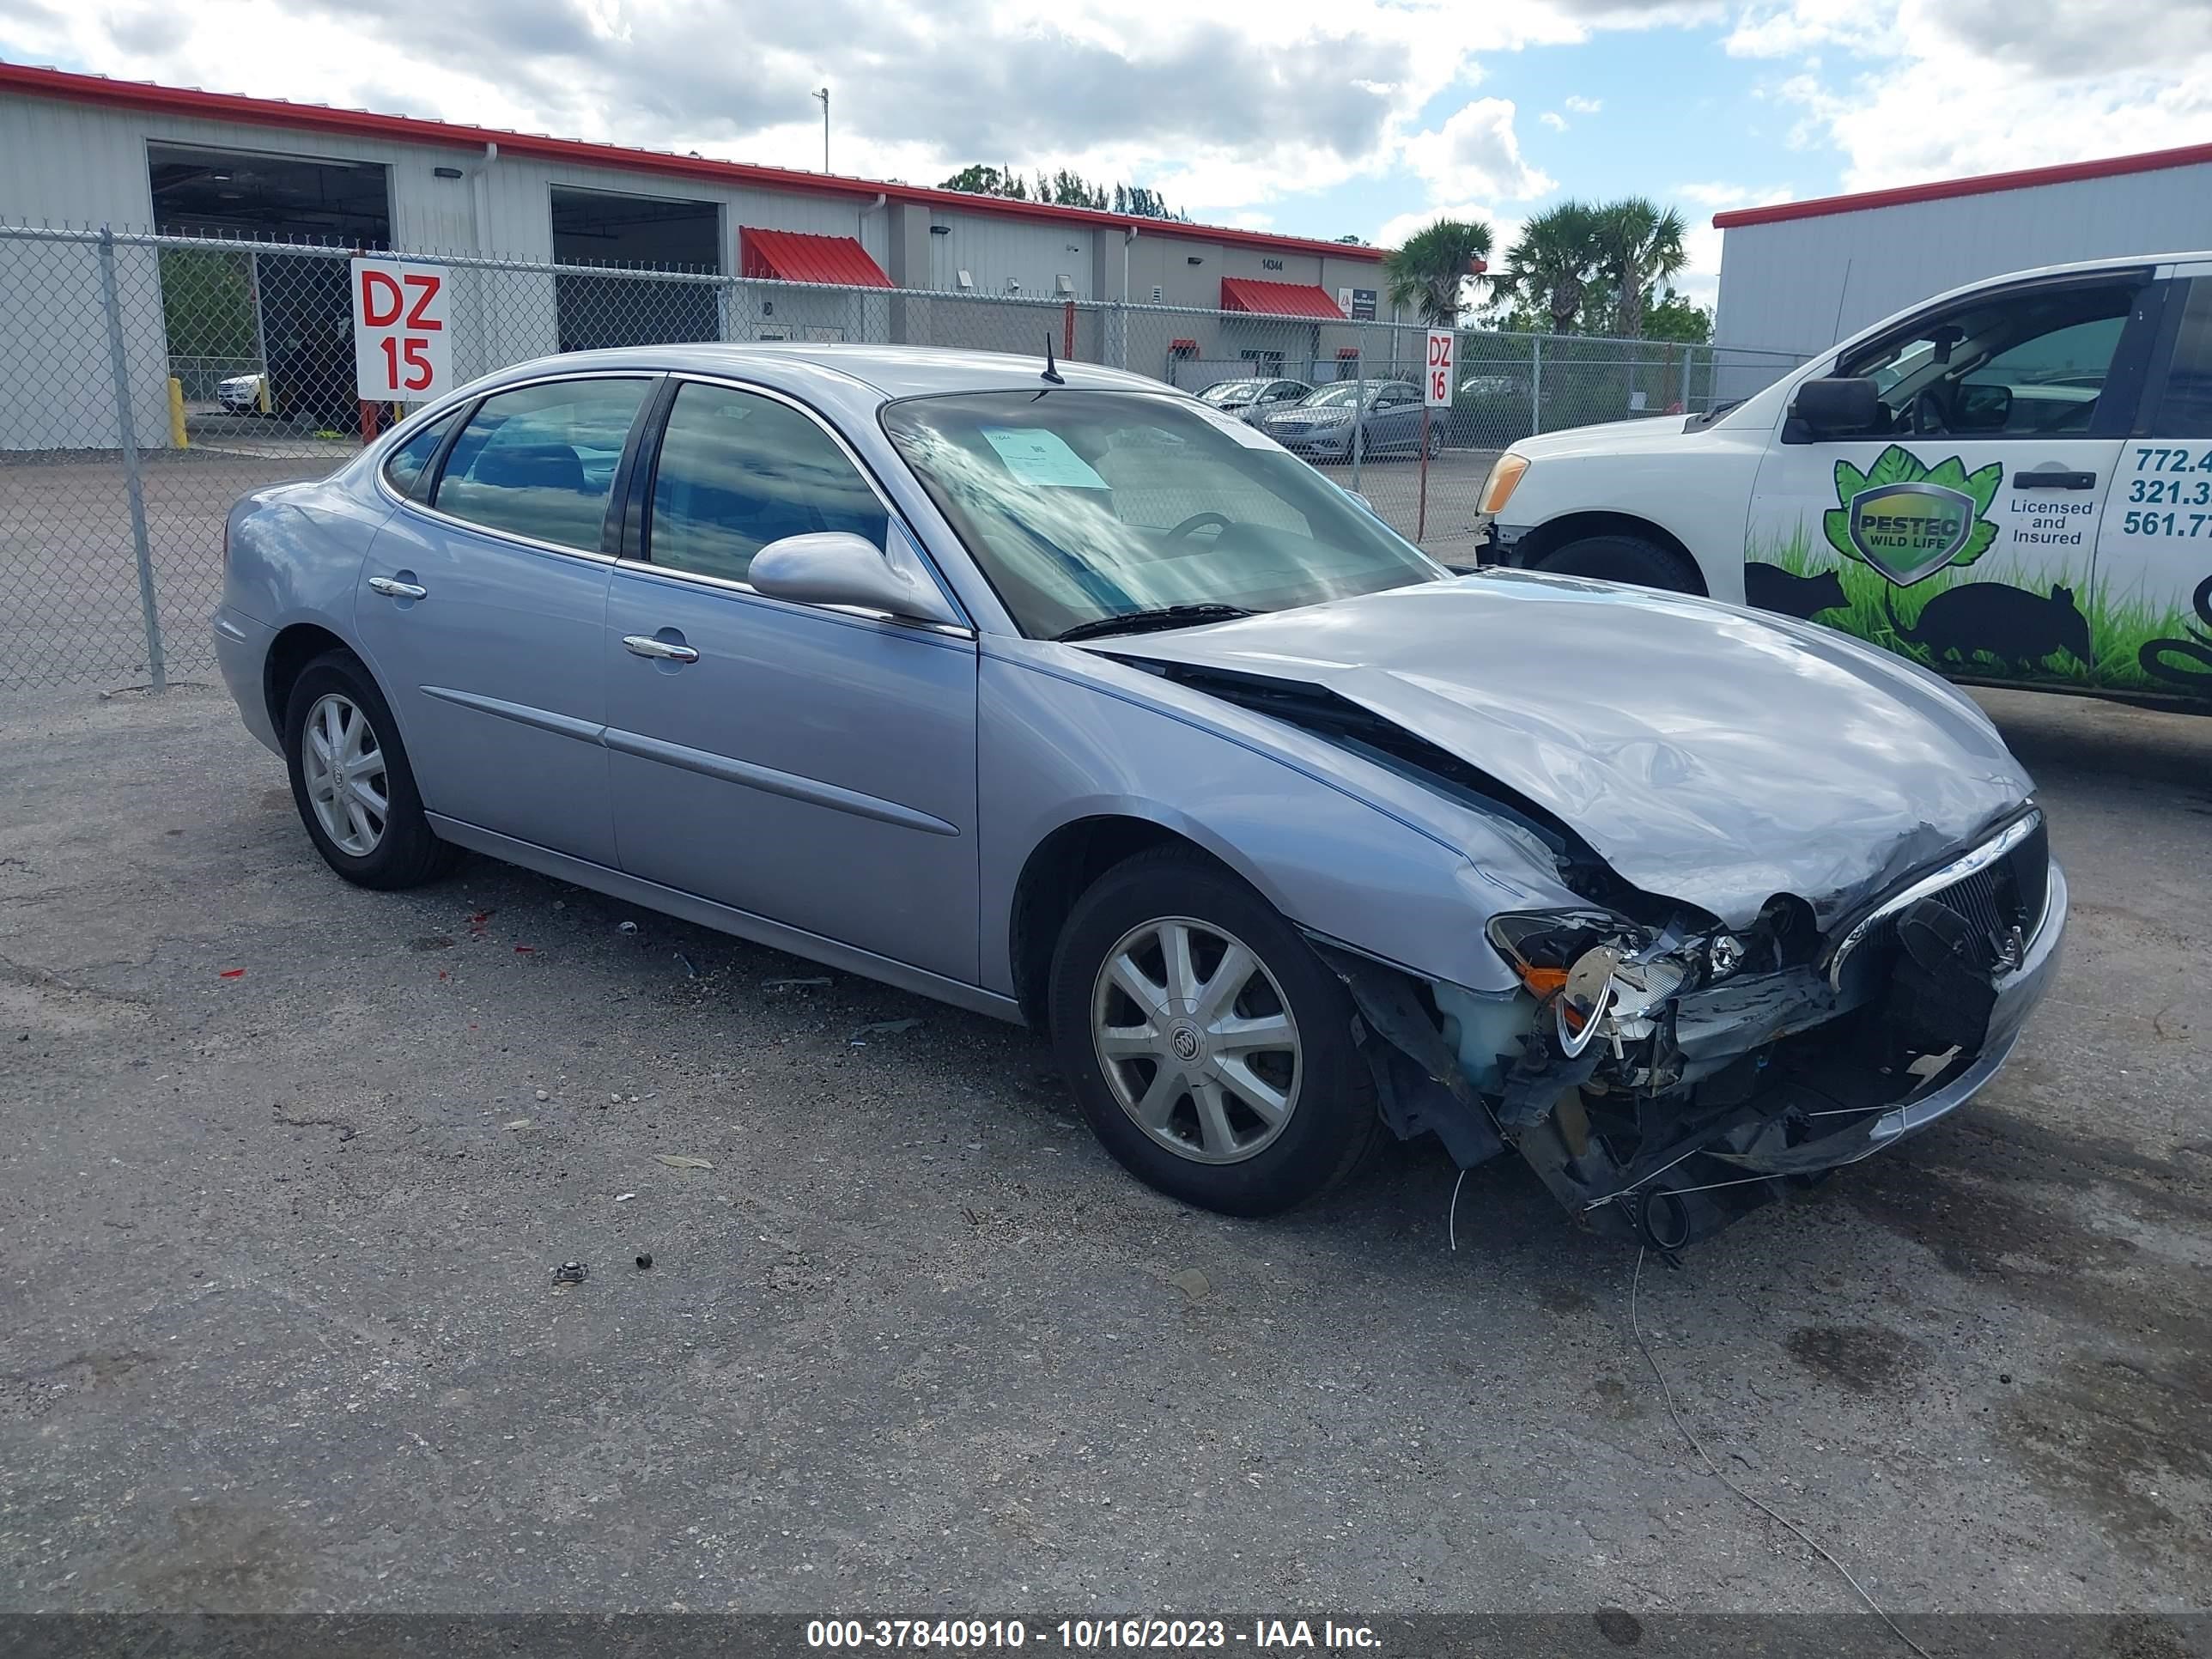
(1837, 403)
(837, 566)
(1979, 407)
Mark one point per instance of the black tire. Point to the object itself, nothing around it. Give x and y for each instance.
(1617, 558)
(407, 854)
(1332, 1119)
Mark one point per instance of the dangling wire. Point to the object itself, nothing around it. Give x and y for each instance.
(1636, 1324)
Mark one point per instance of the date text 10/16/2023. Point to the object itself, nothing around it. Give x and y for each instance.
(1092, 1635)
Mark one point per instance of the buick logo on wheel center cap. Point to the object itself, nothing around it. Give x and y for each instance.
(1184, 1041)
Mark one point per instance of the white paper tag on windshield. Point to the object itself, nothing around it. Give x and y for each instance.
(1042, 458)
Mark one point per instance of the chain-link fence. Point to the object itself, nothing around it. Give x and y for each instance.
(147, 382)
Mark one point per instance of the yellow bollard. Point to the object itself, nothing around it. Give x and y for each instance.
(178, 438)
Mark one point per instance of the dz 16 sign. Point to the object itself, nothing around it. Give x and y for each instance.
(402, 348)
(1437, 390)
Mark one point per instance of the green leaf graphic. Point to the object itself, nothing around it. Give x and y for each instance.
(1848, 482)
(1977, 544)
(1896, 465)
(1951, 474)
(1982, 484)
(1836, 524)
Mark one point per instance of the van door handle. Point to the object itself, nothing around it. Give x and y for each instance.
(2051, 479)
(644, 645)
(392, 588)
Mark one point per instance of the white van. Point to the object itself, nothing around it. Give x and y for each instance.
(2012, 481)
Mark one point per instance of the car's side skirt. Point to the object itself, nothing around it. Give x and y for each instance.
(724, 919)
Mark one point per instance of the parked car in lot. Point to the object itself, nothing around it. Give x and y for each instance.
(1251, 399)
(1322, 427)
(240, 394)
(1062, 697)
(2010, 482)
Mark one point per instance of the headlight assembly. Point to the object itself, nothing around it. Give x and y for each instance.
(1504, 474)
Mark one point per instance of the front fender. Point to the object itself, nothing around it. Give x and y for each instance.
(1055, 750)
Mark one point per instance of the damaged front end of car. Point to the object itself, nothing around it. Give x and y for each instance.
(1663, 1073)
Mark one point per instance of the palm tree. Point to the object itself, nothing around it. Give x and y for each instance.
(1428, 274)
(1641, 245)
(1552, 263)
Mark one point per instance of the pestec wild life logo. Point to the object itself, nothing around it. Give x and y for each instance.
(1909, 520)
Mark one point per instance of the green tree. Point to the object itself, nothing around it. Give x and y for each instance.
(1639, 243)
(1671, 317)
(207, 304)
(1550, 267)
(1429, 273)
(979, 180)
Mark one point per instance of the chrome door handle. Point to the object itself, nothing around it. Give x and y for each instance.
(644, 645)
(392, 589)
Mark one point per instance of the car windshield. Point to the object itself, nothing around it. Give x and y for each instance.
(1344, 393)
(1224, 392)
(1080, 505)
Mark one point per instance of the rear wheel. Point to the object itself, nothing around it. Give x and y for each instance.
(1623, 558)
(1209, 1048)
(350, 779)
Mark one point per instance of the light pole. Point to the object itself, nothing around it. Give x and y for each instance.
(823, 94)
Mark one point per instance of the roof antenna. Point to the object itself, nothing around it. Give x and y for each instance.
(1051, 369)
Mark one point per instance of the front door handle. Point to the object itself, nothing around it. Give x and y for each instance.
(393, 588)
(644, 645)
(2053, 478)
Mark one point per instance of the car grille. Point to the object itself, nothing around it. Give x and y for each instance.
(2001, 887)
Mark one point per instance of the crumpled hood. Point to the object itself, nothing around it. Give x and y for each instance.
(1708, 753)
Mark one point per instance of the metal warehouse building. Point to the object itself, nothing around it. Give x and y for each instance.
(83, 150)
(1800, 275)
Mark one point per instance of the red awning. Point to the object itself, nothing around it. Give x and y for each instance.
(791, 256)
(1183, 345)
(1279, 299)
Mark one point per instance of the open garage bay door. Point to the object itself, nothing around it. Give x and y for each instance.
(603, 227)
(229, 317)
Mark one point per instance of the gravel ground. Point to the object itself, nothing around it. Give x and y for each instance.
(286, 1169)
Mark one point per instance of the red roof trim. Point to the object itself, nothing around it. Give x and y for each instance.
(321, 118)
(2069, 173)
(793, 256)
(1279, 299)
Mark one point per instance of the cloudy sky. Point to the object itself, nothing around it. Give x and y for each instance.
(1317, 117)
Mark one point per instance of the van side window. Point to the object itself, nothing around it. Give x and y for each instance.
(2020, 365)
(2185, 407)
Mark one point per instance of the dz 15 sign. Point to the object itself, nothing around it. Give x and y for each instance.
(1437, 390)
(402, 348)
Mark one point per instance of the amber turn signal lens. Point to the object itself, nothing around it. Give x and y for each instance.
(1504, 474)
(1543, 982)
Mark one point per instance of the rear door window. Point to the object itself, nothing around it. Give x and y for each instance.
(2185, 405)
(407, 469)
(539, 461)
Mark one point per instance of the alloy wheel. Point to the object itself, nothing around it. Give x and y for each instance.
(342, 765)
(1196, 1040)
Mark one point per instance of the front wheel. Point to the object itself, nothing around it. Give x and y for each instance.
(1209, 1048)
(351, 781)
(1620, 558)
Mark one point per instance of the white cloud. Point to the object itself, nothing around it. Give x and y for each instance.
(2033, 82)
(1503, 230)
(1554, 119)
(1219, 103)
(1720, 196)
(1581, 105)
(1476, 153)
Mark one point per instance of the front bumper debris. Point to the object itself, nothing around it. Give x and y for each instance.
(1672, 1118)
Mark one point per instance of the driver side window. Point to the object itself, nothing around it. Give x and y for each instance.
(2023, 365)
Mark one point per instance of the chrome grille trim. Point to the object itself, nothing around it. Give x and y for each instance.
(1963, 868)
